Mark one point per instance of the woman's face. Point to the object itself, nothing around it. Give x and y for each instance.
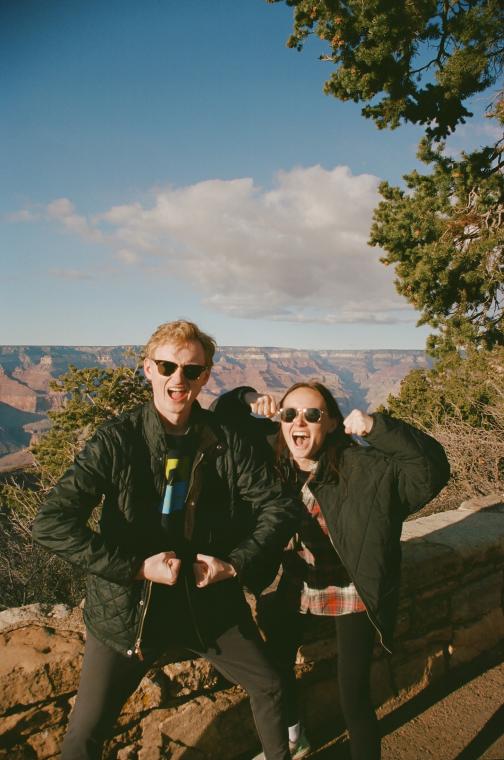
(303, 438)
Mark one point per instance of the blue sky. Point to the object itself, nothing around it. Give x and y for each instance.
(164, 159)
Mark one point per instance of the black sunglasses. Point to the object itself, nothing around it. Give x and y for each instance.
(311, 414)
(190, 371)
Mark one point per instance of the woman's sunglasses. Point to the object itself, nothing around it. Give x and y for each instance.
(190, 371)
(311, 414)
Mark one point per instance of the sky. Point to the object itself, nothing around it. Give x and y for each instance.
(163, 160)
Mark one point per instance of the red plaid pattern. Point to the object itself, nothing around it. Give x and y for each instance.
(314, 579)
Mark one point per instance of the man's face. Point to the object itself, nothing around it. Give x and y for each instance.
(175, 394)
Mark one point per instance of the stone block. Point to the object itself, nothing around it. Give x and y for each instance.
(471, 640)
(427, 564)
(319, 703)
(316, 671)
(141, 741)
(318, 651)
(220, 728)
(148, 696)
(24, 722)
(57, 616)
(438, 637)
(17, 753)
(382, 686)
(413, 673)
(403, 622)
(429, 613)
(189, 676)
(38, 664)
(471, 537)
(474, 600)
(494, 501)
(46, 744)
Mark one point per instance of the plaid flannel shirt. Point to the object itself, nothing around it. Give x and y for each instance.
(314, 579)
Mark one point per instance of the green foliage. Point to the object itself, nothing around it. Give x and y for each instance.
(419, 61)
(91, 396)
(445, 235)
(469, 389)
(461, 403)
(409, 60)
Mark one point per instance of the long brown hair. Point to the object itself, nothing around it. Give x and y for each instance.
(334, 443)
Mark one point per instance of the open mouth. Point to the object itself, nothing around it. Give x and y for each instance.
(300, 440)
(177, 394)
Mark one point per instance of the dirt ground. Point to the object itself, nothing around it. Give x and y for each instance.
(460, 719)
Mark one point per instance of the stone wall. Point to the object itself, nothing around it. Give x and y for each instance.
(451, 610)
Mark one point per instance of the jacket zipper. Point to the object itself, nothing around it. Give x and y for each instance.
(186, 580)
(360, 595)
(144, 602)
(195, 465)
(341, 559)
(193, 614)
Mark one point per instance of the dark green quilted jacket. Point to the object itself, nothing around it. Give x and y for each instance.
(235, 510)
(364, 507)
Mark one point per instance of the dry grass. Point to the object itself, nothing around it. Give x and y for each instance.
(476, 457)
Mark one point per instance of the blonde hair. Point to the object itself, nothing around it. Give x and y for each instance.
(179, 332)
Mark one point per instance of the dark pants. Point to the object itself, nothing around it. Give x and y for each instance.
(355, 634)
(109, 678)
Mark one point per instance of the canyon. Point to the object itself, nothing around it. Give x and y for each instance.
(361, 379)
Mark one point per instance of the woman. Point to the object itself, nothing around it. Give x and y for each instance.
(344, 561)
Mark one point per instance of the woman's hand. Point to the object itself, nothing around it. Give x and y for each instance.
(264, 406)
(358, 423)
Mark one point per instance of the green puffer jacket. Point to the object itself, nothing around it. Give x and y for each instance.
(364, 506)
(235, 510)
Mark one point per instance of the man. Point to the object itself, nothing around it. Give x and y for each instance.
(189, 515)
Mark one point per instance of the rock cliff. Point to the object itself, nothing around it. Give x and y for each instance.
(357, 378)
(451, 611)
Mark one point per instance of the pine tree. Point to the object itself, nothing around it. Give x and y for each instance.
(93, 395)
(415, 61)
(419, 61)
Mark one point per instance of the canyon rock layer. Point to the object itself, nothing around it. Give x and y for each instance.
(361, 379)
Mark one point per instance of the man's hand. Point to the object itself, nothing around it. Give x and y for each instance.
(209, 570)
(160, 568)
(358, 423)
(264, 406)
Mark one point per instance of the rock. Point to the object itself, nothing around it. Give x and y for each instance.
(473, 600)
(450, 613)
(220, 727)
(190, 676)
(494, 501)
(471, 640)
(38, 664)
(45, 615)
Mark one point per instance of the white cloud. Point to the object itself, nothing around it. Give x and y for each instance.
(127, 256)
(296, 252)
(63, 210)
(24, 215)
(473, 136)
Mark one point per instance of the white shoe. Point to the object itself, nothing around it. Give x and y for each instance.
(300, 748)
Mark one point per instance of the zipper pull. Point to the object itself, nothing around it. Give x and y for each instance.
(138, 650)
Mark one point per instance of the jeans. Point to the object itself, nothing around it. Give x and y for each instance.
(108, 678)
(355, 634)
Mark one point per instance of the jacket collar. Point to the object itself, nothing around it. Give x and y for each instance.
(208, 433)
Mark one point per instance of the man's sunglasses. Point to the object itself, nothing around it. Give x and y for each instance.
(311, 414)
(190, 371)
